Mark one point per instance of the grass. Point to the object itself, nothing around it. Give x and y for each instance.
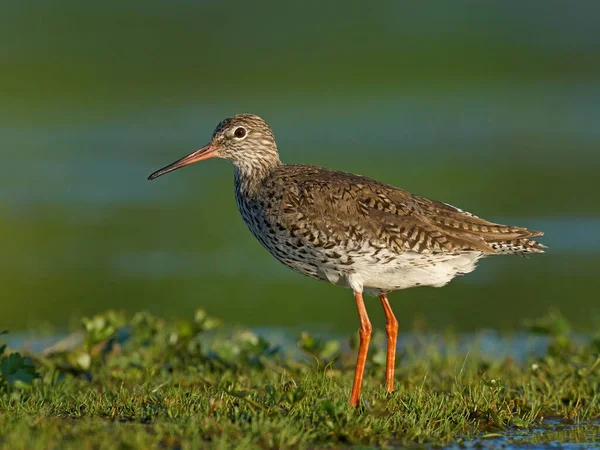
(141, 382)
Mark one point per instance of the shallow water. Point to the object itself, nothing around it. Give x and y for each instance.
(490, 344)
(551, 435)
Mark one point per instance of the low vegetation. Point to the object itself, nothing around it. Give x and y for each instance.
(142, 382)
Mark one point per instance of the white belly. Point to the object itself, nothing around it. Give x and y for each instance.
(404, 271)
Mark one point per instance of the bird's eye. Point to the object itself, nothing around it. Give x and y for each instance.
(240, 132)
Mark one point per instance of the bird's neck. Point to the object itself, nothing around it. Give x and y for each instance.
(250, 175)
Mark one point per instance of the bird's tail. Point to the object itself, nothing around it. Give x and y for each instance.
(521, 245)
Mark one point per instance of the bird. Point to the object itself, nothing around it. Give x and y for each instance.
(350, 230)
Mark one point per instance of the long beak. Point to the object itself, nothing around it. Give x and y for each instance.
(205, 152)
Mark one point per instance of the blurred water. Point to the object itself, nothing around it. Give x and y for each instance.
(551, 434)
(493, 109)
(488, 344)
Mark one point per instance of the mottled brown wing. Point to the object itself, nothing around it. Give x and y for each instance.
(456, 222)
(329, 207)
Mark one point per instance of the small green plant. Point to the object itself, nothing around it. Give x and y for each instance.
(16, 371)
(557, 328)
(323, 351)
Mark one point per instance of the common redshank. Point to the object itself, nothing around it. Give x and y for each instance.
(351, 230)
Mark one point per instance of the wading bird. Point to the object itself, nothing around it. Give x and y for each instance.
(351, 230)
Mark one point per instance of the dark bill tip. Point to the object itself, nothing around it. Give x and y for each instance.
(204, 153)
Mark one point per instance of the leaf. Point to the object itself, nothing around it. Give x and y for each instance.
(307, 342)
(295, 396)
(491, 435)
(379, 357)
(10, 364)
(239, 394)
(22, 378)
(84, 360)
(17, 370)
(324, 351)
(205, 322)
(518, 422)
(330, 350)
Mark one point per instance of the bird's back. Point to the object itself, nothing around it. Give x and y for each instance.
(324, 205)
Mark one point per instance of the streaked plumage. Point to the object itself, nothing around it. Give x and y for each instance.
(351, 230)
(355, 231)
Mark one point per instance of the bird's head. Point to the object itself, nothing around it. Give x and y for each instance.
(246, 140)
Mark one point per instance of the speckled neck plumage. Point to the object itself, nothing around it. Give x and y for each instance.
(248, 175)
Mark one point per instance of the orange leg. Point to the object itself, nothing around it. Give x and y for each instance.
(391, 329)
(365, 338)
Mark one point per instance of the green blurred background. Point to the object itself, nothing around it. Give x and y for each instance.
(490, 106)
